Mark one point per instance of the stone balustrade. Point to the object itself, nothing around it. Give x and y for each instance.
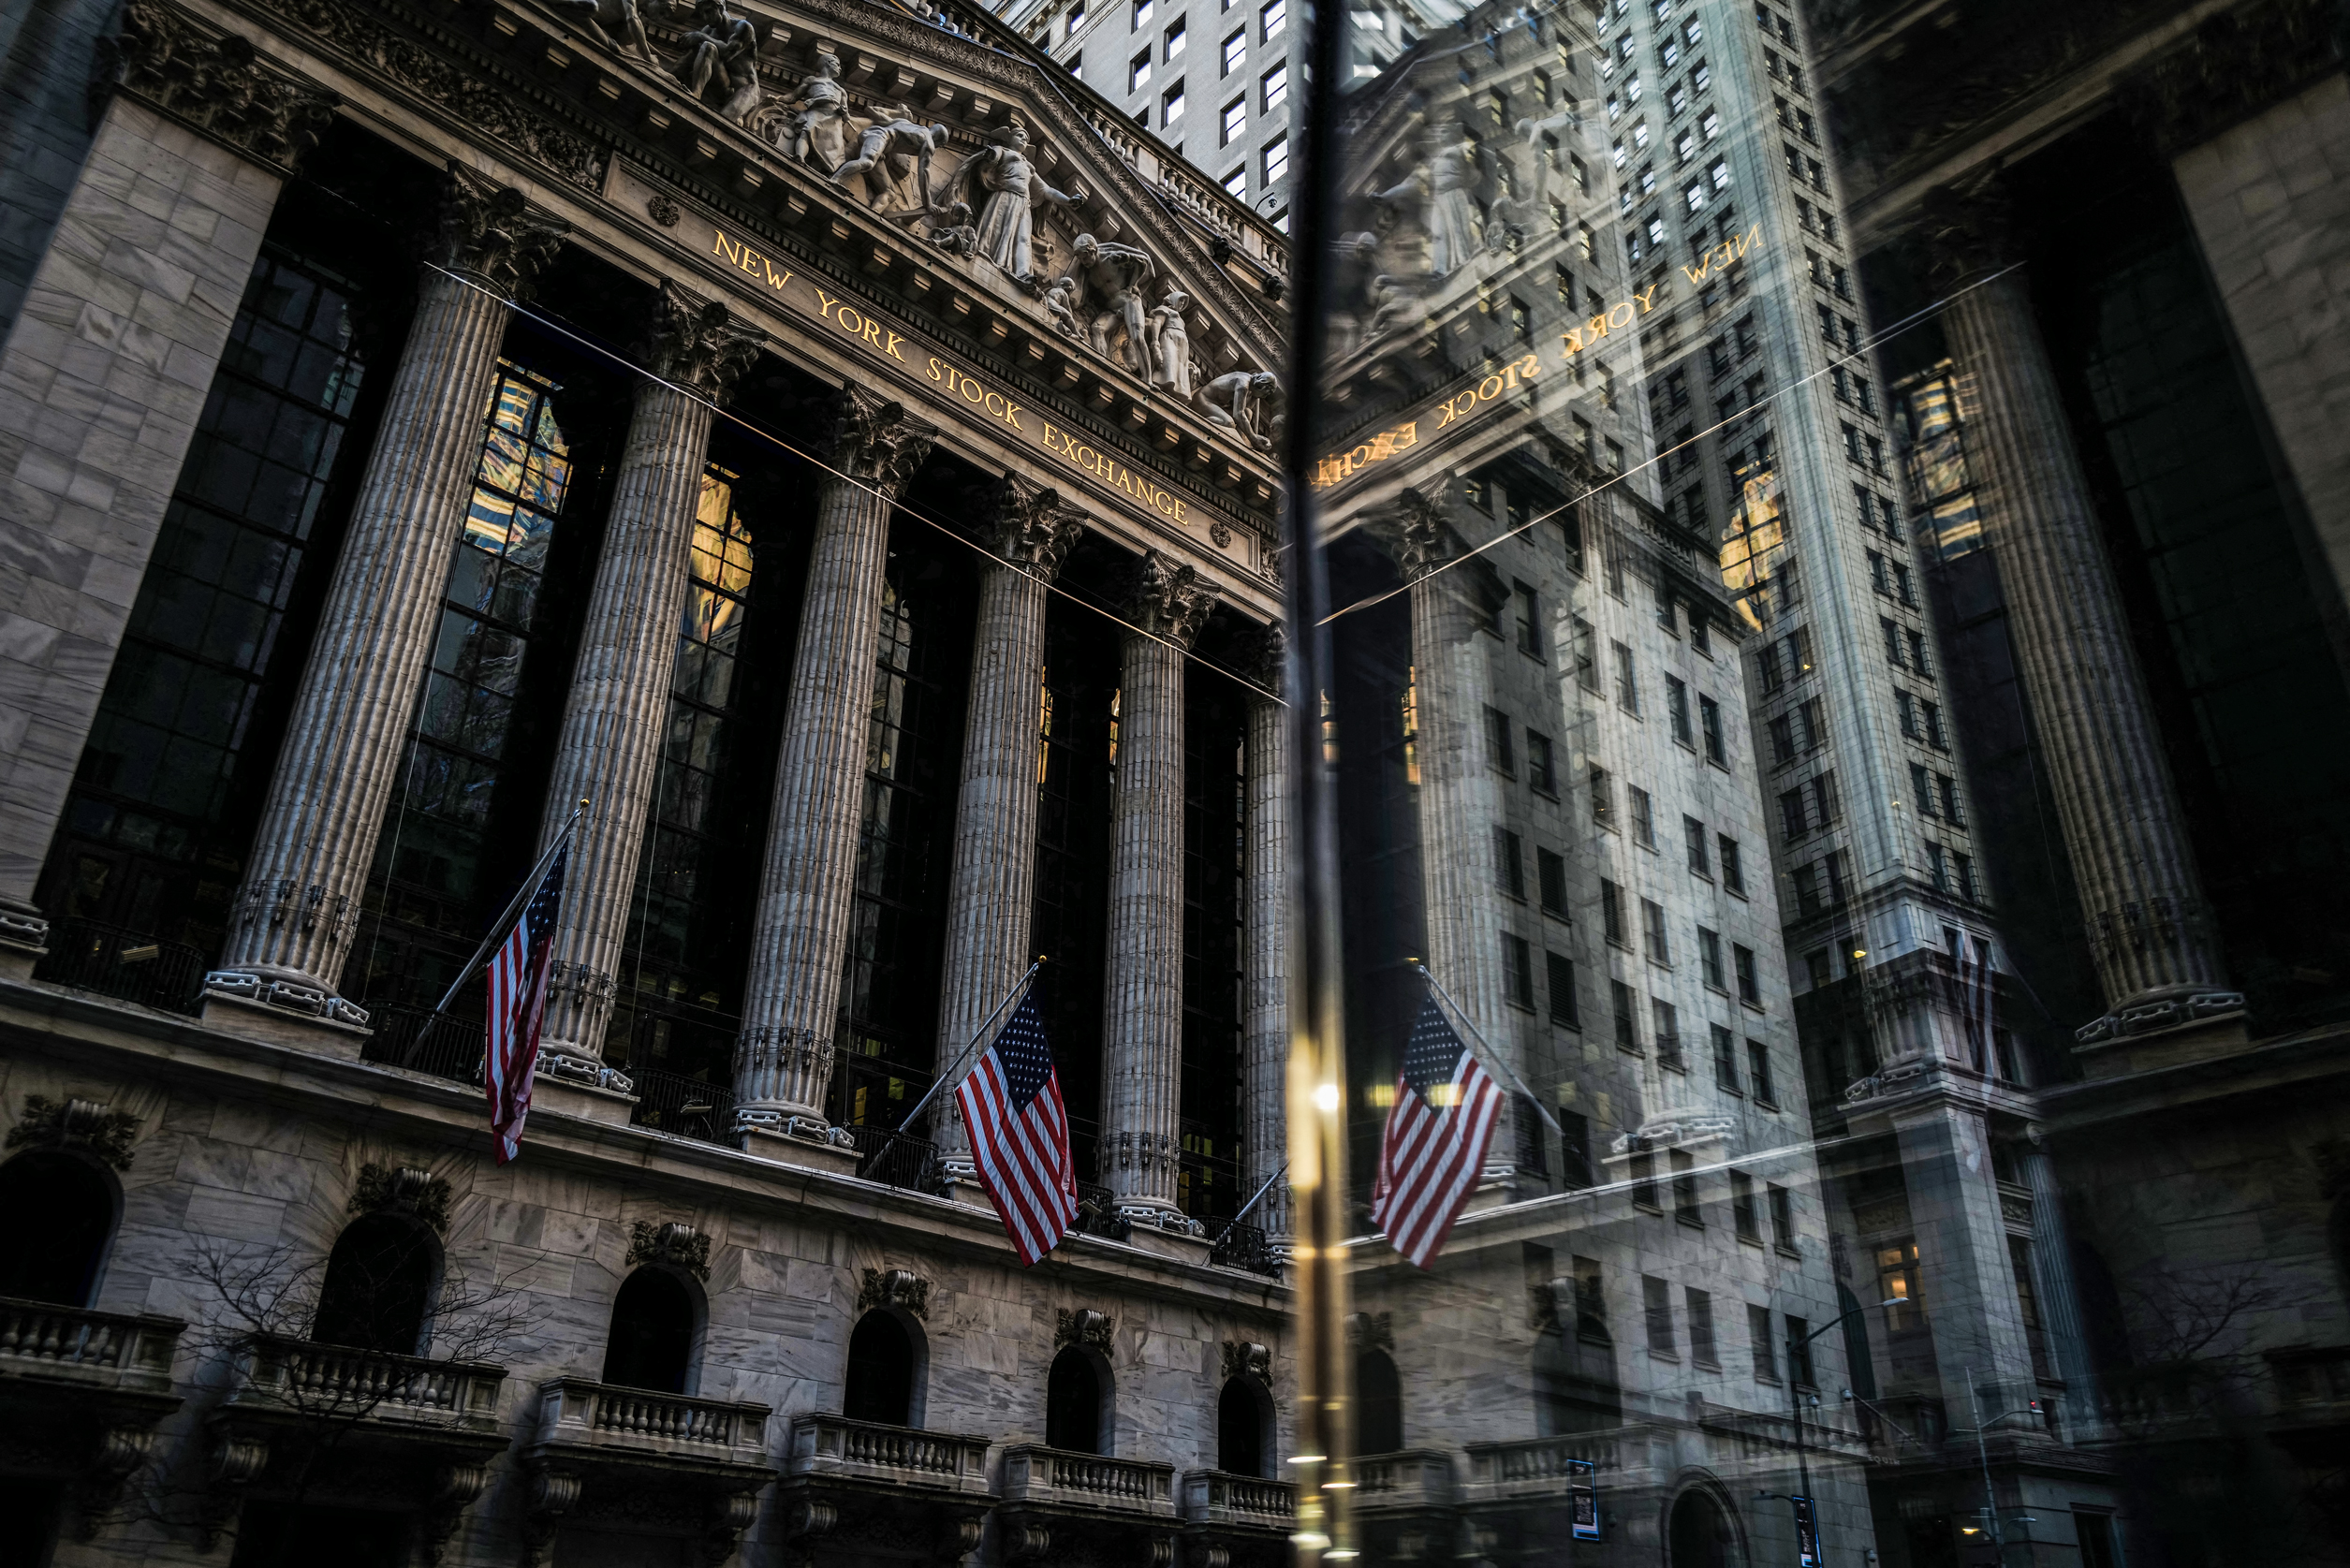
(1216, 1497)
(1036, 1474)
(1409, 1478)
(72, 1344)
(824, 1445)
(1534, 1467)
(306, 1376)
(575, 1413)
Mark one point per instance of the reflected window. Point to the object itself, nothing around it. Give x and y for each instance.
(1379, 1404)
(651, 1342)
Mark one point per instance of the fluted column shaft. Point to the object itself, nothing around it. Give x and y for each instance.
(1143, 994)
(991, 889)
(2148, 926)
(610, 750)
(1265, 932)
(792, 995)
(1459, 804)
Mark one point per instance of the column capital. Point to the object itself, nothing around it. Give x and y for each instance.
(1027, 525)
(697, 343)
(214, 82)
(1416, 533)
(492, 232)
(1263, 656)
(1168, 599)
(1968, 228)
(876, 441)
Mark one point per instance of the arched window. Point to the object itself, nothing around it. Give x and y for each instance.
(651, 1345)
(1861, 1366)
(1378, 1403)
(56, 1216)
(1576, 1388)
(1244, 1422)
(885, 1372)
(1699, 1535)
(379, 1285)
(1077, 1398)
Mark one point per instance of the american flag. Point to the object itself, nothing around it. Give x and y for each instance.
(1975, 996)
(1433, 1150)
(1020, 1134)
(518, 1004)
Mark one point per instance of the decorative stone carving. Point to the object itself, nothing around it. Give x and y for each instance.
(120, 1451)
(214, 83)
(673, 1244)
(816, 131)
(1264, 656)
(1416, 534)
(404, 1190)
(1029, 525)
(1248, 402)
(1114, 277)
(454, 1489)
(231, 1466)
(1081, 1325)
(1371, 1331)
(490, 232)
(1241, 1355)
(1967, 228)
(661, 209)
(1168, 344)
(1436, 198)
(902, 149)
(1061, 309)
(1010, 189)
(553, 1494)
(1168, 599)
(697, 343)
(616, 24)
(876, 441)
(895, 1287)
(45, 1122)
(721, 46)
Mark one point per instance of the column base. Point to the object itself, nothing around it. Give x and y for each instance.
(959, 1182)
(2170, 1032)
(283, 991)
(788, 1148)
(258, 1020)
(23, 940)
(612, 1108)
(1183, 1248)
(17, 960)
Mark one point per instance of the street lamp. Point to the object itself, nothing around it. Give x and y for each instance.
(1982, 1453)
(1795, 1405)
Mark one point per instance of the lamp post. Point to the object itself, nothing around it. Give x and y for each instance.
(1795, 1405)
(1983, 1455)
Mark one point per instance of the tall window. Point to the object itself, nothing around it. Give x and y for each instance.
(1700, 1309)
(1657, 1299)
(1560, 975)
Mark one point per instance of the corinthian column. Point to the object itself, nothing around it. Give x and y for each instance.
(994, 883)
(2150, 930)
(1459, 803)
(1265, 934)
(294, 913)
(783, 1061)
(620, 688)
(1143, 996)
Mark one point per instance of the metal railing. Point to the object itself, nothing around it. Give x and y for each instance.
(124, 965)
(1244, 1247)
(895, 1159)
(1097, 1214)
(682, 1106)
(422, 1041)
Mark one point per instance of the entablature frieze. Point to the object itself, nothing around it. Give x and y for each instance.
(668, 184)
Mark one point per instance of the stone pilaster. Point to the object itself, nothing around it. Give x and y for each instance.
(611, 747)
(992, 885)
(783, 1061)
(2059, 1299)
(103, 376)
(294, 915)
(1142, 995)
(1459, 802)
(1264, 938)
(2149, 928)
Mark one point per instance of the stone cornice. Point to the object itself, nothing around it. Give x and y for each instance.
(214, 82)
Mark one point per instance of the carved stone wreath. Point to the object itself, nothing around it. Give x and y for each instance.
(896, 1287)
(54, 1123)
(678, 1245)
(1242, 1356)
(1081, 1326)
(403, 1191)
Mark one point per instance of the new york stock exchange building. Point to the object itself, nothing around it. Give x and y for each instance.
(826, 441)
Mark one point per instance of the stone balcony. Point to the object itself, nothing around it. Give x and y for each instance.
(336, 1425)
(652, 1463)
(1058, 1504)
(1521, 1494)
(1237, 1521)
(81, 1393)
(1405, 1504)
(862, 1484)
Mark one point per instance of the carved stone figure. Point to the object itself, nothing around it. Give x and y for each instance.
(1008, 223)
(724, 44)
(1169, 344)
(1114, 275)
(1060, 306)
(900, 147)
(617, 24)
(1391, 303)
(1439, 190)
(819, 125)
(952, 231)
(1248, 401)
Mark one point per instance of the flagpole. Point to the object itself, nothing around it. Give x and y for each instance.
(1491, 1057)
(522, 896)
(1252, 1203)
(943, 1080)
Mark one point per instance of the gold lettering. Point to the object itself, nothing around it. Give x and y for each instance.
(749, 256)
(1494, 382)
(934, 368)
(842, 319)
(891, 348)
(1012, 412)
(774, 278)
(1595, 328)
(1705, 265)
(1750, 236)
(726, 248)
(825, 304)
(1645, 296)
(1573, 340)
(873, 332)
(1531, 366)
(1179, 511)
(1628, 314)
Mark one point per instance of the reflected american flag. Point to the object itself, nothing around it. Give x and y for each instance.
(1432, 1152)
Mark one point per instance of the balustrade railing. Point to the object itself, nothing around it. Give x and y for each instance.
(577, 1412)
(1409, 1477)
(1219, 1497)
(40, 1338)
(1034, 1473)
(124, 965)
(823, 1444)
(339, 1380)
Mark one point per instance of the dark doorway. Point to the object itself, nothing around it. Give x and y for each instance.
(880, 1373)
(1073, 1403)
(1379, 1404)
(1700, 1535)
(280, 1535)
(651, 1341)
(1241, 1419)
(59, 1215)
(31, 1508)
(378, 1286)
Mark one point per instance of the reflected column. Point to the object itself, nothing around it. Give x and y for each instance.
(610, 745)
(792, 993)
(992, 887)
(1143, 996)
(294, 914)
(1264, 938)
